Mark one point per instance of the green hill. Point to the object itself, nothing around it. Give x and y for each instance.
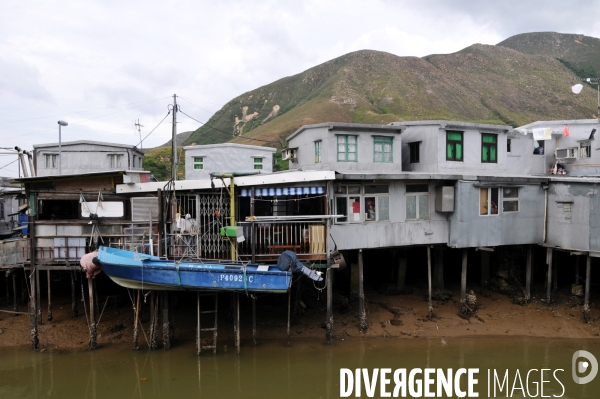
(522, 79)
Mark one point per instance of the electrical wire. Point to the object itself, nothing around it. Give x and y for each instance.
(227, 133)
(2, 167)
(146, 136)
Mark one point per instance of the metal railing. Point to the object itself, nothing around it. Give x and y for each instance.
(272, 238)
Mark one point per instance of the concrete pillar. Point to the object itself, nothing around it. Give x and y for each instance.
(463, 277)
(586, 303)
(429, 303)
(549, 273)
(329, 321)
(92, 298)
(166, 327)
(485, 269)
(577, 257)
(354, 278)
(528, 273)
(438, 271)
(362, 315)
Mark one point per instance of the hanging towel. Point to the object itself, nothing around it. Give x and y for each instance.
(566, 132)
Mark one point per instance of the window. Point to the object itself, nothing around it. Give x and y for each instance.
(510, 199)
(369, 203)
(383, 149)
(347, 148)
(115, 160)
(508, 145)
(488, 201)
(585, 149)
(413, 149)
(538, 147)
(258, 163)
(454, 146)
(489, 148)
(198, 162)
(417, 202)
(51, 161)
(318, 151)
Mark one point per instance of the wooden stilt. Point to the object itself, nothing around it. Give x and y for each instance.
(92, 297)
(253, 320)
(577, 257)
(33, 297)
(429, 303)
(137, 320)
(288, 315)
(463, 277)
(49, 296)
(38, 304)
(362, 315)
(198, 339)
(528, 273)
(549, 276)
(329, 321)
(14, 284)
(74, 308)
(237, 322)
(33, 309)
(166, 327)
(153, 320)
(586, 303)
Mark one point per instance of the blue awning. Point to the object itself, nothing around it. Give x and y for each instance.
(281, 191)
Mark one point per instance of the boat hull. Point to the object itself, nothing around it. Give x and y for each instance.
(139, 271)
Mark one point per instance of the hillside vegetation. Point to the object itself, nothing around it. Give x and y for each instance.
(522, 79)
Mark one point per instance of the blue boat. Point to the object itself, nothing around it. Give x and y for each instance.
(140, 271)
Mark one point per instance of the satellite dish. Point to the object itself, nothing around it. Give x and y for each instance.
(577, 88)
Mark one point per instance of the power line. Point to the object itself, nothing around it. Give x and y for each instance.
(227, 133)
(145, 137)
(9, 163)
(197, 106)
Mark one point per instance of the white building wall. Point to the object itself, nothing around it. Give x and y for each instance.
(227, 157)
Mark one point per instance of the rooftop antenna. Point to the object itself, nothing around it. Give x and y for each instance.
(138, 126)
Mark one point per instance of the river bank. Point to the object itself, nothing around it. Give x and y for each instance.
(388, 316)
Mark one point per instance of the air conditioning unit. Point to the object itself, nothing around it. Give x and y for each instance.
(289, 154)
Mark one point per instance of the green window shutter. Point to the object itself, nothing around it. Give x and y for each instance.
(459, 152)
(455, 136)
(485, 157)
(489, 138)
(493, 154)
(449, 152)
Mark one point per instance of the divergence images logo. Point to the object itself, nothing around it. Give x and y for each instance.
(583, 366)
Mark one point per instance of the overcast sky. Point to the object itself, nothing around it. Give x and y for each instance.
(101, 65)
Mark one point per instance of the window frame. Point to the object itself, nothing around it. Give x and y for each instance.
(542, 145)
(53, 158)
(383, 140)
(318, 150)
(417, 195)
(348, 194)
(346, 144)
(258, 165)
(585, 149)
(489, 201)
(414, 148)
(115, 160)
(490, 146)
(514, 199)
(198, 162)
(454, 143)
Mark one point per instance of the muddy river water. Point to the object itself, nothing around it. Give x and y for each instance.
(310, 369)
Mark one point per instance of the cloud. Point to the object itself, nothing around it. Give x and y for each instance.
(101, 64)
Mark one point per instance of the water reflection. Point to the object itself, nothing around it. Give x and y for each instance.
(305, 369)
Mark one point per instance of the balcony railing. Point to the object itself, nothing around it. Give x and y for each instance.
(268, 239)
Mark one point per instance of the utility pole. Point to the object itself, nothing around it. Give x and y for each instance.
(138, 126)
(174, 142)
